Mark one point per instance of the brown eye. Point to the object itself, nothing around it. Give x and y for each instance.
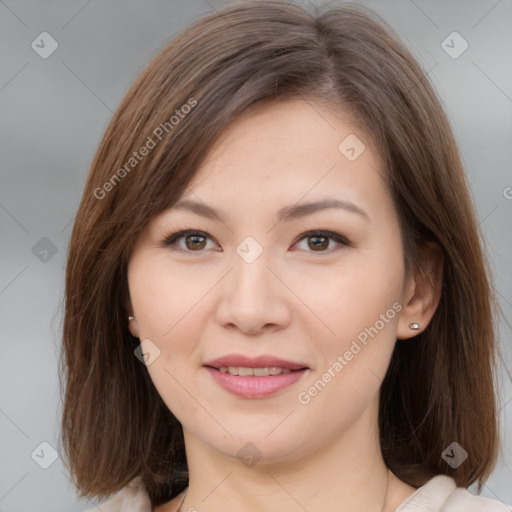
(318, 241)
(196, 241)
(193, 242)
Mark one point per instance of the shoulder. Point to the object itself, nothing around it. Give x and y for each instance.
(462, 500)
(441, 494)
(132, 498)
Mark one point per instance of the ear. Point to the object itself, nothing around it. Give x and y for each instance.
(422, 291)
(133, 326)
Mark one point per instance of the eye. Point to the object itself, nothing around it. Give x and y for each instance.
(196, 241)
(319, 240)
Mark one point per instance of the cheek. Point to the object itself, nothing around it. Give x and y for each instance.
(352, 367)
(167, 304)
(371, 319)
(361, 307)
(351, 297)
(164, 299)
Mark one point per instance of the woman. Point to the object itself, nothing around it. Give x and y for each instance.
(276, 294)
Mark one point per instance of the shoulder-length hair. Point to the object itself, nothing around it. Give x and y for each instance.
(439, 388)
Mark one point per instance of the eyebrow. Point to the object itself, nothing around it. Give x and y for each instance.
(285, 214)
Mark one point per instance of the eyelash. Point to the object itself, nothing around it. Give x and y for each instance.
(172, 238)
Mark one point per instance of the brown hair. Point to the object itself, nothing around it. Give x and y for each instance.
(439, 388)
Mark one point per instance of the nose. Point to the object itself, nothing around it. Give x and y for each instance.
(252, 298)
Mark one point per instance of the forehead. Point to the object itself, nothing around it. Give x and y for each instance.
(289, 148)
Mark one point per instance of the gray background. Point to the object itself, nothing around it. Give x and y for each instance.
(54, 112)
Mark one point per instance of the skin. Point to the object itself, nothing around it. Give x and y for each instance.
(295, 301)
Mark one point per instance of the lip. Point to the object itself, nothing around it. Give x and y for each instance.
(253, 386)
(263, 361)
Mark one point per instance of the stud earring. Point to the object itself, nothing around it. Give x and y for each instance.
(414, 326)
(130, 318)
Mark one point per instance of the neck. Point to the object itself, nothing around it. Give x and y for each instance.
(347, 472)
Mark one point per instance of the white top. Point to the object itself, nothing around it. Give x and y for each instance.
(439, 494)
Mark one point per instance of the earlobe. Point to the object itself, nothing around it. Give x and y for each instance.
(132, 322)
(133, 327)
(423, 292)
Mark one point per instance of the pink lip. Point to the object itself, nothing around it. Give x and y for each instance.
(255, 387)
(252, 386)
(264, 361)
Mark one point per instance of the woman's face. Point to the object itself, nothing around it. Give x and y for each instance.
(254, 289)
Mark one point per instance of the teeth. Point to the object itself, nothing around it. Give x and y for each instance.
(244, 371)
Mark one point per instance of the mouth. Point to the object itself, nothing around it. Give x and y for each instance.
(257, 377)
(246, 371)
(246, 364)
